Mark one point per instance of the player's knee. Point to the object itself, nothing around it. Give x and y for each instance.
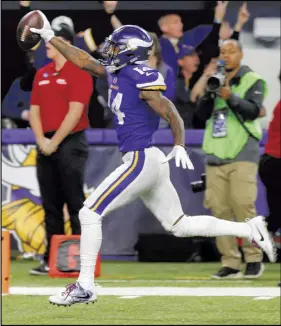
(178, 229)
(87, 216)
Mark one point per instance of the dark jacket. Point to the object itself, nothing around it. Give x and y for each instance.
(249, 107)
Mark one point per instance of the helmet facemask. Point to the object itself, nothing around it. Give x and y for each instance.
(110, 52)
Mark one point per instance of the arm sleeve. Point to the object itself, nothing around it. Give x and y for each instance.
(170, 81)
(235, 35)
(249, 107)
(205, 107)
(26, 80)
(81, 87)
(208, 49)
(210, 46)
(99, 34)
(35, 93)
(213, 37)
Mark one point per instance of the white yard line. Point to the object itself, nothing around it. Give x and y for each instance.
(130, 296)
(160, 291)
(173, 281)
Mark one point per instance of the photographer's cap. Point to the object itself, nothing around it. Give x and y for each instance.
(185, 50)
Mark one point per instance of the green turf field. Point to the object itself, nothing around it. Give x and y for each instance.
(133, 293)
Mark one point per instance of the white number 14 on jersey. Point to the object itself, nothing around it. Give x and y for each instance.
(115, 106)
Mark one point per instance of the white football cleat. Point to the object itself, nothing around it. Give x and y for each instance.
(74, 293)
(261, 237)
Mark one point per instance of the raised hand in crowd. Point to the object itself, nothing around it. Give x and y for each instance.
(25, 3)
(220, 10)
(198, 89)
(211, 68)
(110, 6)
(243, 17)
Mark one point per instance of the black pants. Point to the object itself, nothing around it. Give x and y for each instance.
(61, 180)
(270, 174)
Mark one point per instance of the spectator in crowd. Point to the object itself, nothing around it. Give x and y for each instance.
(270, 174)
(188, 60)
(225, 30)
(156, 61)
(199, 88)
(171, 27)
(211, 55)
(58, 118)
(209, 47)
(231, 145)
(15, 105)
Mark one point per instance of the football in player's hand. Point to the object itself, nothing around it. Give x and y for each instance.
(25, 38)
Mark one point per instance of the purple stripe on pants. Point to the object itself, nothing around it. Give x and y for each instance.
(120, 176)
(123, 185)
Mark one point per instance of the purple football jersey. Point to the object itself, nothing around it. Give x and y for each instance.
(135, 120)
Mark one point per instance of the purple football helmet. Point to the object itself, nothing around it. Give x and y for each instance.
(129, 44)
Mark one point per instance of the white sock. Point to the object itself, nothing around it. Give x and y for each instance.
(209, 226)
(90, 243)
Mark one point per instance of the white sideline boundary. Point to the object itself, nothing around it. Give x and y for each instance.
(160, 291)
(207, 280)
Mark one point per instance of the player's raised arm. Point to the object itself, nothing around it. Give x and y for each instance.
(79, 57)
(75, 55)
(166, 109)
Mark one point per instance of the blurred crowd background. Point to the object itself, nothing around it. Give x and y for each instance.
(199, 26)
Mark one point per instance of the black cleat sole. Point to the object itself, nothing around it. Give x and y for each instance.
(68, 305)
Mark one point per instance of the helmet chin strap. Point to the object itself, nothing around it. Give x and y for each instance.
(134, 60)
(141, 62)
(113, 68)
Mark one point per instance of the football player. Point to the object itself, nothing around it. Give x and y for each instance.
(135, 98)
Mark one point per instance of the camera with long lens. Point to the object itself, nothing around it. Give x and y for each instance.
(198, 186)
(218, 79)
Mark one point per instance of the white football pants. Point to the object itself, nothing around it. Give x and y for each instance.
(143, 175)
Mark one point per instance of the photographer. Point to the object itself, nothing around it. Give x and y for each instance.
(232, 104)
